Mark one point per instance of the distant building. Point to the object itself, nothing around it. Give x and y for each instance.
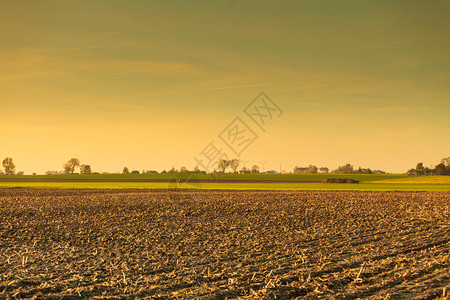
(271, 172)
(378, 172)
(135, 172)
(152, 172)
(411, 172)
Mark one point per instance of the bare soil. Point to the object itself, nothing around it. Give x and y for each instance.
(216, 244)
(189, 180)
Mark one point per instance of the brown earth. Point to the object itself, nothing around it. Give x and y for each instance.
(339, 180)
(18, 179)
(103, 244)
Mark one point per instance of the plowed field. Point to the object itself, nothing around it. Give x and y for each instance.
(72, 244)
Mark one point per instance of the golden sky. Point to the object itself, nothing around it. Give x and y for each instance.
(149, 84)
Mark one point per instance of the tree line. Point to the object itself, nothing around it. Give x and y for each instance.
(344, 169)
(70, 166)
(443, 168)
(222, 166)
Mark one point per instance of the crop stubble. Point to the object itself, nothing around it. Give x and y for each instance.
(218, 244)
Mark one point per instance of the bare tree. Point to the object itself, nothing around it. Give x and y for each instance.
(244, 170)
(346, 169)
(446, 162)
(300, 170)
(312, 169)
(85, 169)
(223, 164)
(69, 167)
(66, 168)
(324, 169)
(440, 169)
(420, 170)
(255, 169)
(234, 164)
(8, 165)
(173, 170)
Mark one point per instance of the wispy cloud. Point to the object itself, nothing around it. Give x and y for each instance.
(398, 109)
(106, 33)
(119, 66)
(43, 74)
(239, 86)
(22, 63)
(225, 87)
(388, 44)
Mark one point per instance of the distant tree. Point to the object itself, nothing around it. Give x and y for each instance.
(411, 172)
(300, 170)
(234, 164)
(446, 162)
(173, 170)
(8, 165)
(223, 164)
(364, 171)
(345, 169)
(184, 170)
(197, 170)
(420, 170)
(125, 171)
(324, 170)
(306, 170)
(312, 169)
(85, 169)
(20, 173)
(255, 169)
(66, 168)
(1, 172)
(69, 167)
(135, 172)
(53, 172)
(440, 169)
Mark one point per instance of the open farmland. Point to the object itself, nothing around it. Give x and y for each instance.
(368, 182)
(159, 243)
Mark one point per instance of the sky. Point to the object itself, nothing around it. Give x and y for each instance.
(159, 84)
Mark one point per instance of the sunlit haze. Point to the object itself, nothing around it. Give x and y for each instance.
(149, 84)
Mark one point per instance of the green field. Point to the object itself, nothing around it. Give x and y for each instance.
(418, 180)
(299, 177)
(368, 183)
